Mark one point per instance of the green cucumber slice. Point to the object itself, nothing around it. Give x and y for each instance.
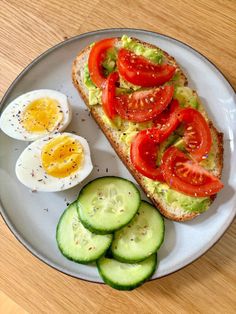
(106, 204)
(123, 276)
(141, 237)
(76, 242)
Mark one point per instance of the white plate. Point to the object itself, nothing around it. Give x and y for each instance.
(33, 217)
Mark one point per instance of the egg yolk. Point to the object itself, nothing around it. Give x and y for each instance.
(42, 115)
(62, 156)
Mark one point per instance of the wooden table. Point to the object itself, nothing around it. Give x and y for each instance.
(27, 28)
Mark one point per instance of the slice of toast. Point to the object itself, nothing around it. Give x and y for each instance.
(113, 135)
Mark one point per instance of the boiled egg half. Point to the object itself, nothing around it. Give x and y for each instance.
(35, 114)
(54, 163)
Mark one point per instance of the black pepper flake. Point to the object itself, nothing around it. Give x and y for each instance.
(106, 169)
(46, 209)
(67, 204)
(83, 120)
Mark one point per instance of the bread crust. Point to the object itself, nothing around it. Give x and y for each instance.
(165, 210)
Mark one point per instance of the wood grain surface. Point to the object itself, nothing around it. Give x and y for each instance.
(29, 27)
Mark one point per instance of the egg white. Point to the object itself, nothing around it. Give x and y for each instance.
(30, 172)
(10, 118)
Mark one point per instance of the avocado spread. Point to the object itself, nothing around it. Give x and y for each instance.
(109, 63)
(177, 199)
(95, 94)
(127, 130)
(153, 54)
(186, 97)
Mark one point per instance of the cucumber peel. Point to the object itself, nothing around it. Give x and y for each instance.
(124, 276)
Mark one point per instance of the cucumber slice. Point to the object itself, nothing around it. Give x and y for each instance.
(124, 276)
(76, 242)
(107, 204)
(141, 237)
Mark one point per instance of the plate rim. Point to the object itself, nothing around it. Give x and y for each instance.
(41, 56)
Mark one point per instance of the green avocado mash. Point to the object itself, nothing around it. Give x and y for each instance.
(186, 97)
(95, 94)
(153, 54)
(109, 62)
(177, 199)
(87, 80)
(130, 129)
(165, 144)
(127, 85)
(116, 123)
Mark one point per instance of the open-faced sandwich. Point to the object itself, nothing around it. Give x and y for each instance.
(158, 126)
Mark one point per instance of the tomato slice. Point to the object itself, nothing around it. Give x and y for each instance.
(96, 57)
(197, 134)
(140, 71)
(144, 105)
(168, 121)
(187, 176)
(143, 154)
(108, 95)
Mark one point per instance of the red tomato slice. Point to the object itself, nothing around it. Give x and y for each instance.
(140, 71)
(96, 57)
(167, 121)
(108, 95)
(187, 176)
(143, 154)
(144, 105)
(197, 134)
